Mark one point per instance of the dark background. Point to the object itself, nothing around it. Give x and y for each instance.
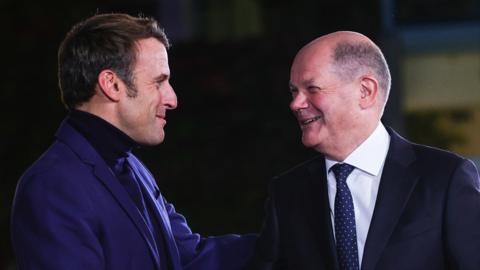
(232, 130)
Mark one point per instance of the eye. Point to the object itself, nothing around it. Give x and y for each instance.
(159, 83)
(293, 91)
(313, 89)
(160, 80)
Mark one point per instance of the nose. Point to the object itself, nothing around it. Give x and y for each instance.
(170, 98)
(299, 101)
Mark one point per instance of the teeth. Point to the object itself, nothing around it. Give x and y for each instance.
(306, 122)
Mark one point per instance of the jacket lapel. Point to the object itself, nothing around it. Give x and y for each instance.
(161, 214)
(87, 153)
(318, 212)
(397, 183)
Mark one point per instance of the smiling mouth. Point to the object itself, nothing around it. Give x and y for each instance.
(310, 120)
(162, 119)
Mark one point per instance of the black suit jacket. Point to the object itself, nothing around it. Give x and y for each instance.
(426, 216)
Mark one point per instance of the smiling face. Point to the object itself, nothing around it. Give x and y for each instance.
(328, 109)
(143, 116)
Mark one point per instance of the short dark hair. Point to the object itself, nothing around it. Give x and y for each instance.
(103, 41)
(350, 57)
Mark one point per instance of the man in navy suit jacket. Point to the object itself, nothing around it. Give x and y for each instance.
(88, 202)
(414, 207)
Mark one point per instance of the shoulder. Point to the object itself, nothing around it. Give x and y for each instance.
(58, 168)
(299, 174)
(57, 156)
(427, 158)
(54, 185)
(437, 155)
(440, 158)
(446, 163)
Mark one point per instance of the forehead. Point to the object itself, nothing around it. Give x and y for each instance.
(151, 54)
(311, 67)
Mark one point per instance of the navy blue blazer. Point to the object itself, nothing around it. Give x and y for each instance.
(70, 212)
(426, 216)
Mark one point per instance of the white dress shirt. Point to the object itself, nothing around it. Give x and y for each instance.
(368, 160)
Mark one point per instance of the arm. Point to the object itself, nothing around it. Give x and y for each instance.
(52, 224)
(463, 218)
(228, 252)
(266, 251)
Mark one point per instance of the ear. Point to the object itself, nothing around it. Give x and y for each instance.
(109, 84)
(368, 91)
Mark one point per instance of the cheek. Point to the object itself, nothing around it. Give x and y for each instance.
(146, 105)
(155, 100)
(318, 105)
(350, 118)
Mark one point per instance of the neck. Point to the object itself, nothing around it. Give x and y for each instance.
(341, 151)
(99, 108)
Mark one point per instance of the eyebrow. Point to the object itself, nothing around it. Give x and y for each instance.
(305, 82)
(291, 86)
(308, 82)
(161, 77)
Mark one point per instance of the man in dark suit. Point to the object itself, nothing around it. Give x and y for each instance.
(371, 200)
(88, 202)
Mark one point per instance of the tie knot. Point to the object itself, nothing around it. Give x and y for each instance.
(342, 171)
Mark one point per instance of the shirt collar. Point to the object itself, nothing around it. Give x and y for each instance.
(370, 155)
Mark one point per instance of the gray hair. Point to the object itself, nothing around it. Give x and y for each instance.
(352, 57)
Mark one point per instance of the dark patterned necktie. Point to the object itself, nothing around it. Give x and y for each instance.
(345, 230)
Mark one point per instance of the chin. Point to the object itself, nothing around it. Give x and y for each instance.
(308, 143)
(157, 136)
(157, 141)
(152, 140)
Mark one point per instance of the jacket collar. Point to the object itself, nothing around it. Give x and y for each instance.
(398, 180)
(85, 151)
